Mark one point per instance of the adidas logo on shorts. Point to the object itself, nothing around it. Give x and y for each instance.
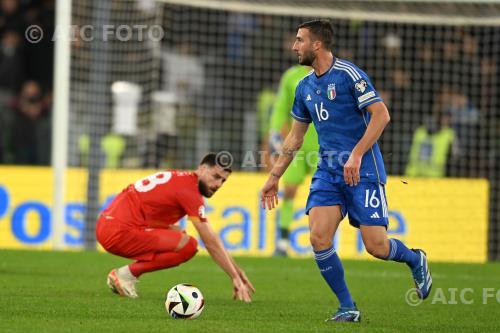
(375, 216)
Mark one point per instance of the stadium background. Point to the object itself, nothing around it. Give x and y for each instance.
(206, 86)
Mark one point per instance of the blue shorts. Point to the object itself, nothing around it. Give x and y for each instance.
(365, 203)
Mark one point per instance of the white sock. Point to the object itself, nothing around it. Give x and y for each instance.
(125, 272)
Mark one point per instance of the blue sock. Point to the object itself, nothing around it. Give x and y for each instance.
(331, 268)
(400, 253)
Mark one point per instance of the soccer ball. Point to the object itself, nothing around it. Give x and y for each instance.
(184, 301)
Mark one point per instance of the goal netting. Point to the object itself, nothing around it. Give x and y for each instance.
(208, 83)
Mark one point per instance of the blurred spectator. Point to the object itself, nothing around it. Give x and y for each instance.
(11, 76)
(39, 57)
(184, 74)
(175, 120)
(489, 70)
(431, 148)
(11, 64)
(392, 44)
(463, 115)
(28, 136)
(11, 18)
(241, 27)
(464, 120)
(425, 75)
(471, 64)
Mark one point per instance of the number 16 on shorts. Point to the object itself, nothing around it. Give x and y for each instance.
(376, 197)
(366, 204)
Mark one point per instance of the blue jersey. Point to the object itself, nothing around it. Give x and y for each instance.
(335, 102)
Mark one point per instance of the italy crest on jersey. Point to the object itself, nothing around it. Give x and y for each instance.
(330, 92)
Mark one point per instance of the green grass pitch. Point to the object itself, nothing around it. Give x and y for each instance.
(66, 292)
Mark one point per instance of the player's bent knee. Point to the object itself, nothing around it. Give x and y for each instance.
(319, 242)
(182, 242)
(190, 249)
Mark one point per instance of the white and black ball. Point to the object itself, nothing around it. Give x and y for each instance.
(184, 301)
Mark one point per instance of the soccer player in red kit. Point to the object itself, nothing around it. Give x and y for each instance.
(140, 224)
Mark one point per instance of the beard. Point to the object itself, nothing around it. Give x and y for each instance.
(204, 190)
(307, 59)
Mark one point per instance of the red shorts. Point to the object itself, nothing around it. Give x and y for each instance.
(137, 243)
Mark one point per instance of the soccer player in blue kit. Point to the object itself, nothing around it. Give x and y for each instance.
(349, 117)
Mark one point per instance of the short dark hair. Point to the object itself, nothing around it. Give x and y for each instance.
(322, 30)
(222, 159)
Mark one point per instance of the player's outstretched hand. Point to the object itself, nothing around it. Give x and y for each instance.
(269, 193)
(351, 169)
(246, 281)
(241, 291)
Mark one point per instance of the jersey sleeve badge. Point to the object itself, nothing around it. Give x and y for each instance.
(361, 86)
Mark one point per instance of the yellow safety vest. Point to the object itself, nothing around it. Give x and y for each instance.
(429, 153)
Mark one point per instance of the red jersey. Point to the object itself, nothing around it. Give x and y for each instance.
(159, 200)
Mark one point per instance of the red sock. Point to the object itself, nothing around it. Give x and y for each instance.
(164, 260)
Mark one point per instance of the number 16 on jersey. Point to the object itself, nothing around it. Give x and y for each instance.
(321, 112)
